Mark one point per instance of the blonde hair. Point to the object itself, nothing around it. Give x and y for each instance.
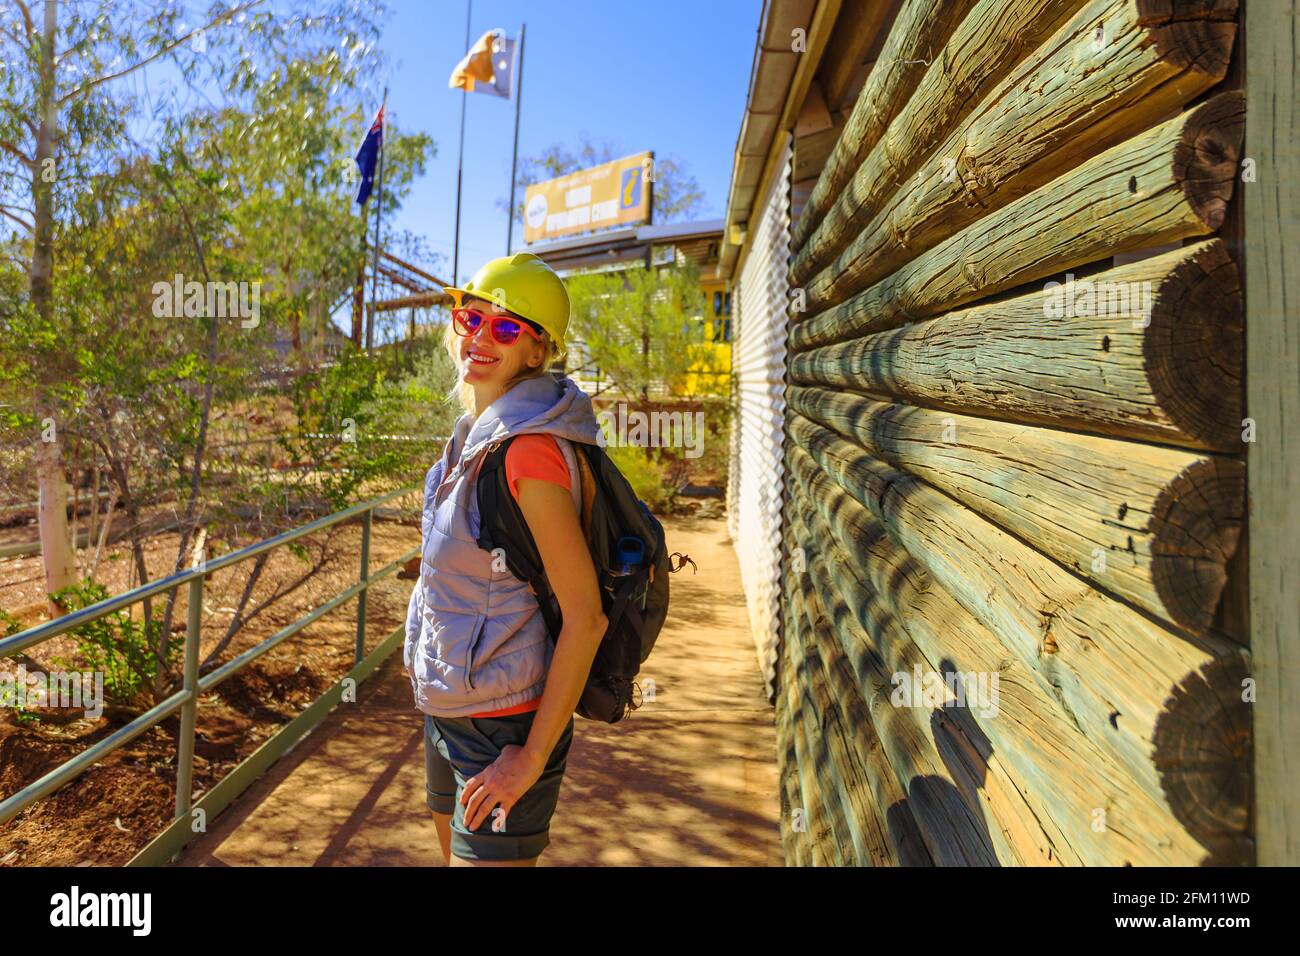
(463, 392)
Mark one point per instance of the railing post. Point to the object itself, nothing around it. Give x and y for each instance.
(190, 709)
(361, 598)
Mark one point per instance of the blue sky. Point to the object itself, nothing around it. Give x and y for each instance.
(669, 76)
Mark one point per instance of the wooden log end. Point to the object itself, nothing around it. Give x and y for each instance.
(1203, 754)
(1196, 524)
(1194, 36)
(1197, 46)
(1194, 349)
(1205, 160)
(1239, 851)
(1160, 12)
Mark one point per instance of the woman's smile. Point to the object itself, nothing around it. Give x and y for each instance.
(478, 356)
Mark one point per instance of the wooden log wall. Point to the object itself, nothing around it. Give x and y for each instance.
(1015, 474)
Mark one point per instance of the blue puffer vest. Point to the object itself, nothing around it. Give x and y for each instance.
(475, 638)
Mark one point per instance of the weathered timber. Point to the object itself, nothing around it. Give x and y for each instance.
(1091, 364)
(918, 33)
(858, 762)
(1169, 183)
(824, 848)
(810, 153)
(800, 815)
(859, 835)
(945, 791)
(876, 642)
(419, 300)
(1113, 669)
(858, 823)
(793, 842)
(1059, 108)
(1271, 208)
(794, 819)
(1065, 775)
(807, 804)
(992, 39)
(1153, 525)
(828, 838)
(856, 31)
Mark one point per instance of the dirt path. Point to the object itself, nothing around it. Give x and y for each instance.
(689, 779)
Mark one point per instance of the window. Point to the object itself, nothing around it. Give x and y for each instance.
(717, 303)
(727, 308)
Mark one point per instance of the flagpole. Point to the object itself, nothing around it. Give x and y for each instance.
(514, 158)
(359, 291)
(460, 161)
(379, 201)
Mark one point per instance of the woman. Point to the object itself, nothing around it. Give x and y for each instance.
(497, 693)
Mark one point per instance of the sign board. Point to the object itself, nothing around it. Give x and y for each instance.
(611, 194)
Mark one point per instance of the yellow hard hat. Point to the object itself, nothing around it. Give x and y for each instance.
(525, 285)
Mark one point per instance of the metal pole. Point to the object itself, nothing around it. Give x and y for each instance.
(379, 201)
(190, 709)
(650, 197)
(359, 318)
(460, 162)
(514, 158)
(361, 598)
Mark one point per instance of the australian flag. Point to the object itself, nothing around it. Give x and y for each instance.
(368, 156)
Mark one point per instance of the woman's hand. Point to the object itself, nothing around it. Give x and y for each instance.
(503, 782)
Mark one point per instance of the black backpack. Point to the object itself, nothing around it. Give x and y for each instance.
(635, 604)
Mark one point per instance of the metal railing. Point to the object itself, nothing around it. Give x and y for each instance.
(186, 699)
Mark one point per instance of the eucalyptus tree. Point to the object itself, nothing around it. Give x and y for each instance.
(228, 165)
(640, 326)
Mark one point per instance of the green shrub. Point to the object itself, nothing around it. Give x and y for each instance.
(647, 475)
(115, 645)
(9, 626)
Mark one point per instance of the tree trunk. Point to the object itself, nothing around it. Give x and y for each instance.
(56, 547)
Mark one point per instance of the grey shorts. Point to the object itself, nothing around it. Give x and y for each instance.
(457, 748)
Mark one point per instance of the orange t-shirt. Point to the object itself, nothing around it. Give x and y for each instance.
(531, 456)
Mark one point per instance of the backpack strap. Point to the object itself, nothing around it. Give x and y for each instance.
(502, 525)
(587, 484)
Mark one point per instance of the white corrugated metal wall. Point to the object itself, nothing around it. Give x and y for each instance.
(758, 371)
